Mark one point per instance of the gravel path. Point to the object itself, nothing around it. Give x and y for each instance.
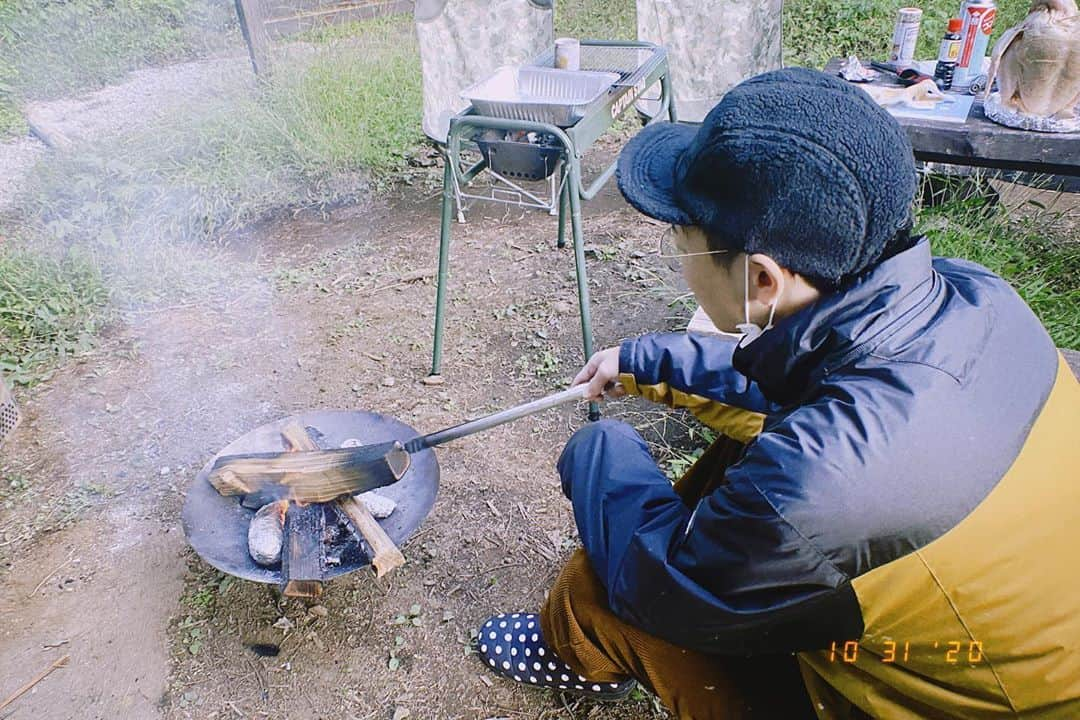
(146, 97)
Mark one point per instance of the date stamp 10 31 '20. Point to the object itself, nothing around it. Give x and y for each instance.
(953, 652)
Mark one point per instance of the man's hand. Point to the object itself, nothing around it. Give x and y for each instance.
(602, 369)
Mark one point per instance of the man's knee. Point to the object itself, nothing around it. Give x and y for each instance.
(592, 447)
(597, 436)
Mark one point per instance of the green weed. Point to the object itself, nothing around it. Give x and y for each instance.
(51, 308)
(1032, 247)
(54, 48)
(598, 19)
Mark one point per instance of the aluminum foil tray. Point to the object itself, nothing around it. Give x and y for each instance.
(631, 62)
(538, 94)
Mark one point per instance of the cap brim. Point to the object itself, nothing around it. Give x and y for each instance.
(646, 170)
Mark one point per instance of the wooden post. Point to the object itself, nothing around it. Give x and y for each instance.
(253, 26)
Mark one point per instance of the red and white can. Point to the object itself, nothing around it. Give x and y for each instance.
(977, 17)
(905, 36)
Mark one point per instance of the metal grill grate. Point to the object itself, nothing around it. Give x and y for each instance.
(632, 63)
(9, 413)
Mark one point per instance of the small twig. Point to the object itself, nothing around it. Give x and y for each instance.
(40, 676)
(46, 578)
(402, 280)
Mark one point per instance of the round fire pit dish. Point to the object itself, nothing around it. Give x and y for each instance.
(217, 526)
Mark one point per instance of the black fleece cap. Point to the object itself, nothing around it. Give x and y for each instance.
(795, 163)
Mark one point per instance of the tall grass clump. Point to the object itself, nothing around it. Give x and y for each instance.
(51, 308)
(1032, 246)
(598, 19)
(358, 104)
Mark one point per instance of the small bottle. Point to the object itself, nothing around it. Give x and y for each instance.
(948, 55)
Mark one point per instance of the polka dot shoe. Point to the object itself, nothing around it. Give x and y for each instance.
(512, 646)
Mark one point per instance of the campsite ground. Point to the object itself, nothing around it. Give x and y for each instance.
(95, 561)
(241, 257)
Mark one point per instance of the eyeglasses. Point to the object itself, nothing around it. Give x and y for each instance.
(669, 252)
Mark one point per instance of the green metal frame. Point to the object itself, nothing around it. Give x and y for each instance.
(575, 141)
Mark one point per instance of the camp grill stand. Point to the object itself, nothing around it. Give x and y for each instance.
(640, 65)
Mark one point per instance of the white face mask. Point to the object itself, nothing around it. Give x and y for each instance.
(752, 331)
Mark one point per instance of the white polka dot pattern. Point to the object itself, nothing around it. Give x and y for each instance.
(517, 636)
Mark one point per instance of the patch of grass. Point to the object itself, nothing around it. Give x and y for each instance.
(598, 19)
(680, 459)
(318, 133)
(51, 308)
(1033, 248)
(310, 136)
(353, 107)
(53, 48)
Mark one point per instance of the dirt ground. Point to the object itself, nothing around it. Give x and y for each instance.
(314, 314)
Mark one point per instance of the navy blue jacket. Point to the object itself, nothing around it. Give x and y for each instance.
(881, 417)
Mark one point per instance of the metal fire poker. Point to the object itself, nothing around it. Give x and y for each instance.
(323, 475)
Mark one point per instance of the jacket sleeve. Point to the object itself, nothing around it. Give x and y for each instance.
(694, 372)
(729, 577)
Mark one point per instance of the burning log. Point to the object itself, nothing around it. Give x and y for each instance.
(319, 476)
(301, 562)
(267, 529)
(301, 554)
(385, 554)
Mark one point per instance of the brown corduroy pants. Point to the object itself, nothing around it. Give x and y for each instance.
(580, 627)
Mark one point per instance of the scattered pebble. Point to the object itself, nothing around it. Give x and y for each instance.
(318, 611)
(165, 470)
(283, 623)
(388, 381)
(400, 713)
(433, 380)
(562, 307)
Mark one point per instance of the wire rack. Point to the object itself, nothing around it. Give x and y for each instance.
(630, 62)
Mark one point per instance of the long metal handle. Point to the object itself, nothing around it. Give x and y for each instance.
(503, 416)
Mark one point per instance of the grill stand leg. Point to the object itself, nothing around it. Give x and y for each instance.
(572, 185)
(564, 194)
(444, 263)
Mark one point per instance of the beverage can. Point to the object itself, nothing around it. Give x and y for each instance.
(948, 54)
(905, 35)
(977, 17)
(568, 54)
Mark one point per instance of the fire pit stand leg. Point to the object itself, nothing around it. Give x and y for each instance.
(444, 262)
(564, 199)
(573, 181)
